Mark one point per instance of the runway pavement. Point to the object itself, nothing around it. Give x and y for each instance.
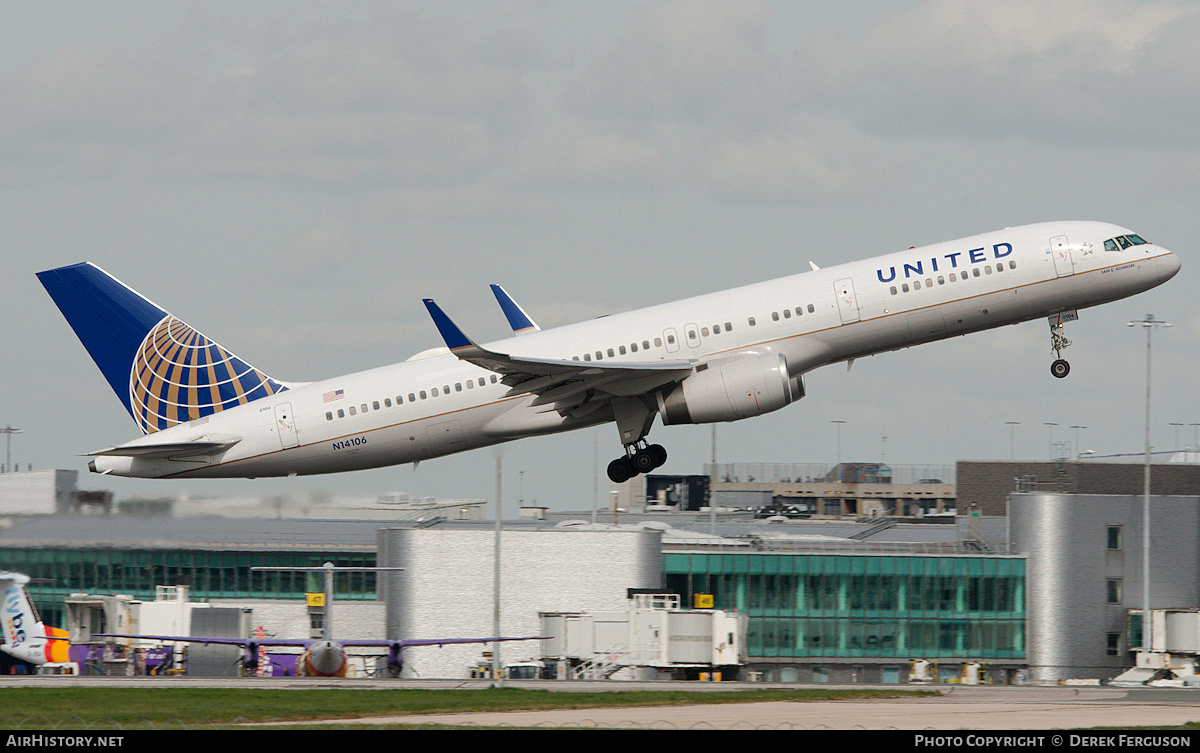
(1026, 708)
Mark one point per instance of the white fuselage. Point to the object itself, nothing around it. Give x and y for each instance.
(437, 404)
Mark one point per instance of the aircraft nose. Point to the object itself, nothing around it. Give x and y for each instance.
(1168, 266)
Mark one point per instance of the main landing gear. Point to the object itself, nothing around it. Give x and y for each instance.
(638, 459)
(1060, 368)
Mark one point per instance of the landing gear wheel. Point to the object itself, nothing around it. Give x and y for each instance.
(621, 470)
(645, 460)
(660, 453)
(1060, 368)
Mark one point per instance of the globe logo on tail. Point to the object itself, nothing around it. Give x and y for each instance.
(179, 375)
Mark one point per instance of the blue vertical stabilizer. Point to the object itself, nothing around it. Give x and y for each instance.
(163, 371)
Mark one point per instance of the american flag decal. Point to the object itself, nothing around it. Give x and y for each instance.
(329, 397)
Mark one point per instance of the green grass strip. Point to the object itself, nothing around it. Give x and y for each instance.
(80, 707)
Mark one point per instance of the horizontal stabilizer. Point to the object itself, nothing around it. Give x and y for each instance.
(167, 449)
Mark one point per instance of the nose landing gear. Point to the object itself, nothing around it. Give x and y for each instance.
(1060, 368)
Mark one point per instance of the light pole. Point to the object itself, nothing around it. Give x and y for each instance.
(1149, 323)
(1050, 437)
(1078, 452)
(8, 452)
(839, 444)
(1012, 439)
(1176, 425)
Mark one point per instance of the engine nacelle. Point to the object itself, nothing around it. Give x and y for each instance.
(730, 390)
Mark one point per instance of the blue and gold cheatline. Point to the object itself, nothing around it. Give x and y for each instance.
(179, 375)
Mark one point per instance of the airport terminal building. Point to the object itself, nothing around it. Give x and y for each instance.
(1049, 592)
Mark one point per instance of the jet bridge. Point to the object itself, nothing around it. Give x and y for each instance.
(654, 635)
(1173, 659)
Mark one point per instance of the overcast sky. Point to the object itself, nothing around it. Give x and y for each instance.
(291, 178)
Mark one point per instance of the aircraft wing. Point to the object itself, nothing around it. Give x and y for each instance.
(573, 387)
(243, 642)
(306, 642)
(406, 642)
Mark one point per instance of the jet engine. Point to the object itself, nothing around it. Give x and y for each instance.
(731, 389)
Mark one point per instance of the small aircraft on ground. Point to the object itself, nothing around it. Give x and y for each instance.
(324, 656)
(28, 642)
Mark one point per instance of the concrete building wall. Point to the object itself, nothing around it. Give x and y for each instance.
(984, 485)
(1071, 610)
(289, 618)
(446, 589)
(37, 492)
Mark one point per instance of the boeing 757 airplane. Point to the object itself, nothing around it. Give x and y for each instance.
(722, 356)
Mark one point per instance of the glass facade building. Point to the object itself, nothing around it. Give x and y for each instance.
(209, 574)
(863, 606)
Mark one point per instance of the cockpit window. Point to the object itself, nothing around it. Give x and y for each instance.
(1124, 242)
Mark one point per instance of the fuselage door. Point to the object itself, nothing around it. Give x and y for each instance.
(847, 302)
(285, 424)
(691, 333)
(670, 339)
(1061, 251)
